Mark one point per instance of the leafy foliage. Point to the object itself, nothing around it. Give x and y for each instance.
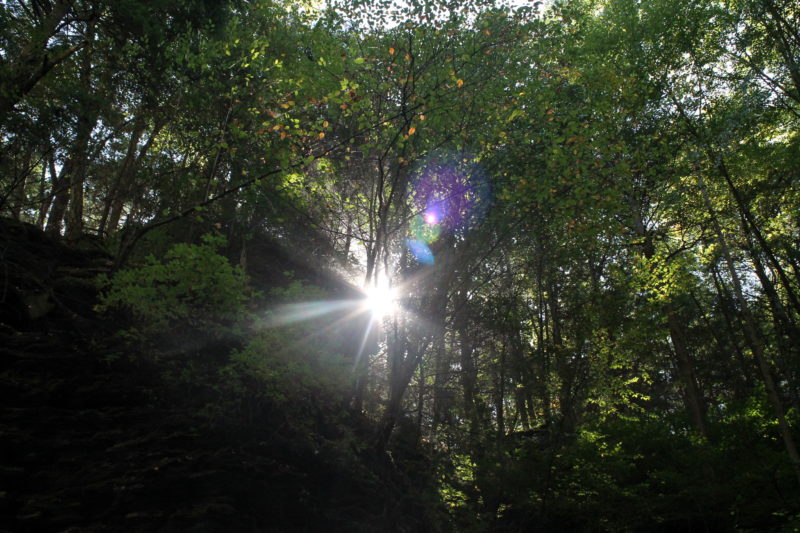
(193, 288)
(587, 211)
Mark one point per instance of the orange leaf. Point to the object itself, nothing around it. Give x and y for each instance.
(460, 83)
(322, 135)
(391, 51)
(412, 130)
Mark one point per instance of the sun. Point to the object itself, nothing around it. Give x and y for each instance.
(380, 300)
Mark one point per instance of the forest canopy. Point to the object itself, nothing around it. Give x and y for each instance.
(557, 245)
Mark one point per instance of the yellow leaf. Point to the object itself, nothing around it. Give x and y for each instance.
(460, 83)
(325, 124)
(322, 135)
(422, 117)
(408, 57)
(412, 130)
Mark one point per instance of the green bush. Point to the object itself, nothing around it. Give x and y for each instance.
(192, 289)
(289, 366)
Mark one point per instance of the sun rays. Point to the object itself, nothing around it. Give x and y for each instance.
(381, 300)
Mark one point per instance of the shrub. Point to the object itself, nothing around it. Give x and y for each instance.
(291, 366)
(193, 288)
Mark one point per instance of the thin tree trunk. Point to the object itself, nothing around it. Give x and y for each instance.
(55, 218)
(116, 199)
(44, 198)
(786, 333)
(751, 228)
(542, 353)
(441, 399)
(753, 339)
(694, 402)
(725, 299)
(420, 398)
(500, 394)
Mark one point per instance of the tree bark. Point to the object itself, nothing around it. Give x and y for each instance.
(55, 218)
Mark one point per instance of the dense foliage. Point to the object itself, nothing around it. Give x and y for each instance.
(588, 212)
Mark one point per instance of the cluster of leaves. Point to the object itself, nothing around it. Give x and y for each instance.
(193, 288)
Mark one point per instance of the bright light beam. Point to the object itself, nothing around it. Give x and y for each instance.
(292, 313)
(381, 300)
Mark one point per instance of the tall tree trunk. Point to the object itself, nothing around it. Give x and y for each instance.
(44, 198)
(55, 218)
(751, 229)
(753, 338)
(442, 399)
(542, 353)
(405, 352)
(407, 360)
(693, 401)
(469, 374)
(116, 194)
(500, 393)
(726, 303)
(563, 367)
(87, 120)
(420, 397)
(786, 332)
(693, 398)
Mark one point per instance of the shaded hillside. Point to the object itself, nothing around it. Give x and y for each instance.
(96, 439)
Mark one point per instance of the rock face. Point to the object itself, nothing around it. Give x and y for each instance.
(94, 440)
(40, 276)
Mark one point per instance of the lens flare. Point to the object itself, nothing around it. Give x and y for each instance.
(421, 251)
(451, 194)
